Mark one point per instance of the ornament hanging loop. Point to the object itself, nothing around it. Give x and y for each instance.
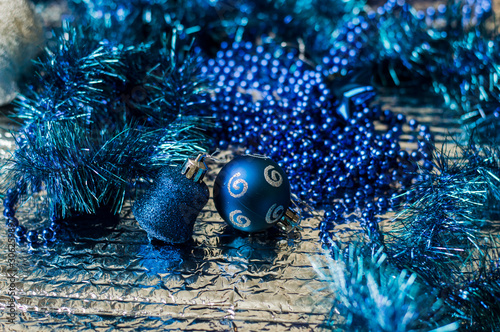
(291, 219)
(195, 169)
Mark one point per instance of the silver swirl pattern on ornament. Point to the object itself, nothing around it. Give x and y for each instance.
(237, 218)
(238, 187)
(272, 176)
(274, 214)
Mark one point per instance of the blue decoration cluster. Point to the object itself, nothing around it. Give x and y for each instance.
(448, 49)
(395, 44)
(97, 118)
(134, 22)
(297, 81)
(272, 103)
(342, 152)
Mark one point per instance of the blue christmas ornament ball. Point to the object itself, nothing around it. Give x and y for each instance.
(251, 193)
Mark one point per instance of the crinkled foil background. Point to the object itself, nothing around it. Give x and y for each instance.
(106, 276)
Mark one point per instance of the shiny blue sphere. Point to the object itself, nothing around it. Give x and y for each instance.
(251, 193)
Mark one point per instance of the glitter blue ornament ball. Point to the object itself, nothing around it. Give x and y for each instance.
(251, 193)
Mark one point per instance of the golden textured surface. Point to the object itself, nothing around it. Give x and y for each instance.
(106, 276)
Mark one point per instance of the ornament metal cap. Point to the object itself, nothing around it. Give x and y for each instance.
(195, 169)
(291, 219)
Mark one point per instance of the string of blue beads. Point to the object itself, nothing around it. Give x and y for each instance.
(271, 102)
(473, 11)
(354, 42)
(31, 237)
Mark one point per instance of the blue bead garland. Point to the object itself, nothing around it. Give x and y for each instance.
(22, 235)
(271, 102)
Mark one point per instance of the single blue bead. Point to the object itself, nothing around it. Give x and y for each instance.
(387, 116)
(54, 224)
(339, 209)
(32, 236)
(428, 166)
(20, 230)
(428, 137)
(403, 154)
(12, 222)
(325, 237)
(327, 226)
(413, 124)
(359, 195)
(48, 234)
(368, 190)
(416, 155)
(349, 203)
(367, 215)
(9, 212)
(395, 200)
(424, 129)
(400, 118)
(382, 203)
